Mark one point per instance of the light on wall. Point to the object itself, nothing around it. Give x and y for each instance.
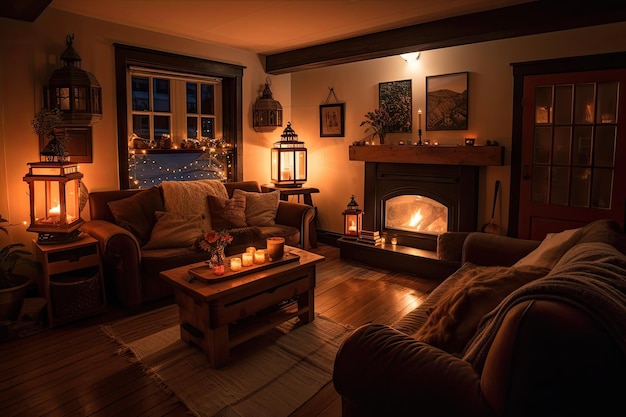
(288, 160)
(410, 56)
(352, 220)
(74, 91)
(267, 113)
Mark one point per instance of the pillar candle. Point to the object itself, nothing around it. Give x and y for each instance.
(235, 264)
(246, 259)
(419, 120)
(259, 256)
(275, 248)
(251, 249)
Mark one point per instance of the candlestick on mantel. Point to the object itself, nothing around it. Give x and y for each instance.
(419, 119)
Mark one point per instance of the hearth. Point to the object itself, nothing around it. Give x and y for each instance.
(416, 202)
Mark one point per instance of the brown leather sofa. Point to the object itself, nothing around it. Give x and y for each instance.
(132, 273)
(555, 346)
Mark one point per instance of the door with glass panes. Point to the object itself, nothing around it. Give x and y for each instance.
(573, 151)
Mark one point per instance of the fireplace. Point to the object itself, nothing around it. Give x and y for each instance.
(414, 203)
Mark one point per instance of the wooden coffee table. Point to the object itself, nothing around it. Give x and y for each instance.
(218, 316)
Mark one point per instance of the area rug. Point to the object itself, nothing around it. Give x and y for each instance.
(270, 375)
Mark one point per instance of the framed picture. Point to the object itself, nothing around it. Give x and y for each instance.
(395, 97)
(447, 101)
(78, 146)
(332, 117)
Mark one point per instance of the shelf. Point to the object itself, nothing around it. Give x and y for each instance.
(436, 155)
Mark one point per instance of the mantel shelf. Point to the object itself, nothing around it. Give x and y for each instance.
(431, 154)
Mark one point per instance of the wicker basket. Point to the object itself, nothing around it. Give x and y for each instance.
(76, 294)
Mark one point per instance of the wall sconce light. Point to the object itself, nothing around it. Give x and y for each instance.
(288, 160)
(55, 203)
(73, 90)
(410, 56)
(352, 220)
(267, 113)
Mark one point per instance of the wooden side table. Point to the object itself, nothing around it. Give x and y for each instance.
(72, 282)
(305, 193)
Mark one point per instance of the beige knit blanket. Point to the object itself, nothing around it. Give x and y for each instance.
(590, 276)
(190, 197)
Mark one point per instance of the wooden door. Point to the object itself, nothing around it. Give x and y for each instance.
(573, 151)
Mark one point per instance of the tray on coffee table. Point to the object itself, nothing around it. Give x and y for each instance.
(205, 272)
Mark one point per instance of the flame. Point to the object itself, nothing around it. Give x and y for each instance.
(416, 218)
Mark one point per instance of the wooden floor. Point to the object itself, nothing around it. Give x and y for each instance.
(73, 370)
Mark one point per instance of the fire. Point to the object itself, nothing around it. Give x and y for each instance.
(54, 215)
(416, 219)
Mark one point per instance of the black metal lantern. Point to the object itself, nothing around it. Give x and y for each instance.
(288, 158)
(352, 220)
(267, 113)
(74, 91)
(55, 201)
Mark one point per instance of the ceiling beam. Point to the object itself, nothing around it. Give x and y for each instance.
(525, 19)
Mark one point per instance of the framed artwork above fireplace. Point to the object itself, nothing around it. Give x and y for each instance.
(447, 101)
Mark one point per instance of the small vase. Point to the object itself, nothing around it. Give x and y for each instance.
(217, 261)
(381, 138)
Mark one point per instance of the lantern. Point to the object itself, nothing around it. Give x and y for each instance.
(288, 160)
(267, 113)
(55, 203)
(352, 220)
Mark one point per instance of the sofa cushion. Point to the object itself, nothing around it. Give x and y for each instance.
(227, 213)
(260, 207)
(551, 249)
(136, 213)
(173, 230)
(190, 197)
(476, 291)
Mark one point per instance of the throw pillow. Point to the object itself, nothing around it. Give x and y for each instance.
(136, 213)
(189, 197)
(455, 318)
(551, 249)
(260, 207)
(227, 213)
(174, 230)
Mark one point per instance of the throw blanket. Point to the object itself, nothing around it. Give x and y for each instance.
(590, 276)
(190, 197)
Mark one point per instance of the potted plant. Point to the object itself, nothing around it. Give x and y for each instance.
(47, 125)
(12, 284)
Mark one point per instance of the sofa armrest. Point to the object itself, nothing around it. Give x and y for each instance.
(296, 215)
(383, 371)
(121, 255)
(487, 249)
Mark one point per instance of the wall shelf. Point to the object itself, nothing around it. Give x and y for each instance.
(442, 155)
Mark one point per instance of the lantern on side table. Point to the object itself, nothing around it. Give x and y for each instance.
(288, 160)
(55, 203)
(352, 220)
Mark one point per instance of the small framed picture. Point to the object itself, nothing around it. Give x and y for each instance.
(332, 118)
(447, 101)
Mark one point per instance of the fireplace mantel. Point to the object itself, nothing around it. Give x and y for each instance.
(431, 154)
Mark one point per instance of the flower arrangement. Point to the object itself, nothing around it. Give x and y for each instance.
(381, 121)
(46, 124)
(214, 242)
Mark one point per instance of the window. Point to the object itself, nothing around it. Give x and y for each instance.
(179, 117)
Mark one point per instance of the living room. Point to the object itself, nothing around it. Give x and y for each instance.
(29, 52)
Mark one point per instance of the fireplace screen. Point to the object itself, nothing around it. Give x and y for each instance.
(415, 213)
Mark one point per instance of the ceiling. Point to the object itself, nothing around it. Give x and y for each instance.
(271, 26)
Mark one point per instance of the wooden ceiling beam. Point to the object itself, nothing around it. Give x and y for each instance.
(525, 19)
(25, 10)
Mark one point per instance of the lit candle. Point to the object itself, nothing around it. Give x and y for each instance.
(235, 264)
(246, 259)
(419, 118)
(251, 250)
(259, 256)
(394, 241)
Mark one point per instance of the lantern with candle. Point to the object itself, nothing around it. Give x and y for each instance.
(55, 201)
(289, 160)
(352, 220)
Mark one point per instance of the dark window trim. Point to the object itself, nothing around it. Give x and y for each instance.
(232, 93)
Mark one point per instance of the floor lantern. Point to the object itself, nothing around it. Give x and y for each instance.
(352, 220)
(288, 159)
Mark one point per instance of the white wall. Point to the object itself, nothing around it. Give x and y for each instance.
(490, 108)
